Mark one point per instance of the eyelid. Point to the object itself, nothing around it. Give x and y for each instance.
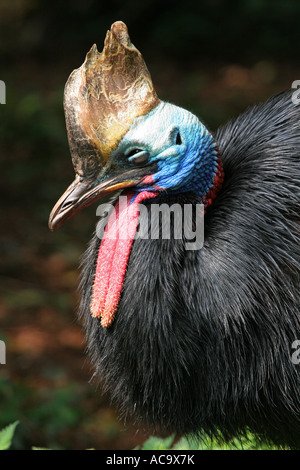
(132, 150)
(142, 155)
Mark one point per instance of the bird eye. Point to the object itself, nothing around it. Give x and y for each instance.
(138, 156)
(132, 152)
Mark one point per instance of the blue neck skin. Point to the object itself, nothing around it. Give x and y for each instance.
(184, 150)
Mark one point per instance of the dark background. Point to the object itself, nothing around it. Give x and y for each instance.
(213, 57)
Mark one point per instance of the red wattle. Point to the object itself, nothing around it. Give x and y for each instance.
(113, 256)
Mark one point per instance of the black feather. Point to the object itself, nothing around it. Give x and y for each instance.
(202, 340)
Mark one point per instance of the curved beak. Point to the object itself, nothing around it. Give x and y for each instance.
(84, 191)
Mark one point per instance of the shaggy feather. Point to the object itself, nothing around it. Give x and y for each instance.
(202, 340)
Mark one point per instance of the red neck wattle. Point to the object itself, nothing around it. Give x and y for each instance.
(114, 254)
(208, 198)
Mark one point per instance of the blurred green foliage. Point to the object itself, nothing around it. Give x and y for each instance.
(54, 411)
(214, 57)
(248, 442)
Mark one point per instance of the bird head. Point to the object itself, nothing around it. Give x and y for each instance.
(122, 136)
(176, 147)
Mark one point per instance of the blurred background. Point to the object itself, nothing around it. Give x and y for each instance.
(213, 57)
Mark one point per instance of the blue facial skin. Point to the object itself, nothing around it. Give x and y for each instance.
(182, 147)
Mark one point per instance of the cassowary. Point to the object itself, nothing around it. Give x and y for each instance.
(198, 340)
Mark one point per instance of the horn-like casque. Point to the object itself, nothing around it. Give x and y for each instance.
(103, 97)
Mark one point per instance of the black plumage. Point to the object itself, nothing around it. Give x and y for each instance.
(202, 340)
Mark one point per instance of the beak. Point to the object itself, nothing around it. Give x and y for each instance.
(83, 192)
